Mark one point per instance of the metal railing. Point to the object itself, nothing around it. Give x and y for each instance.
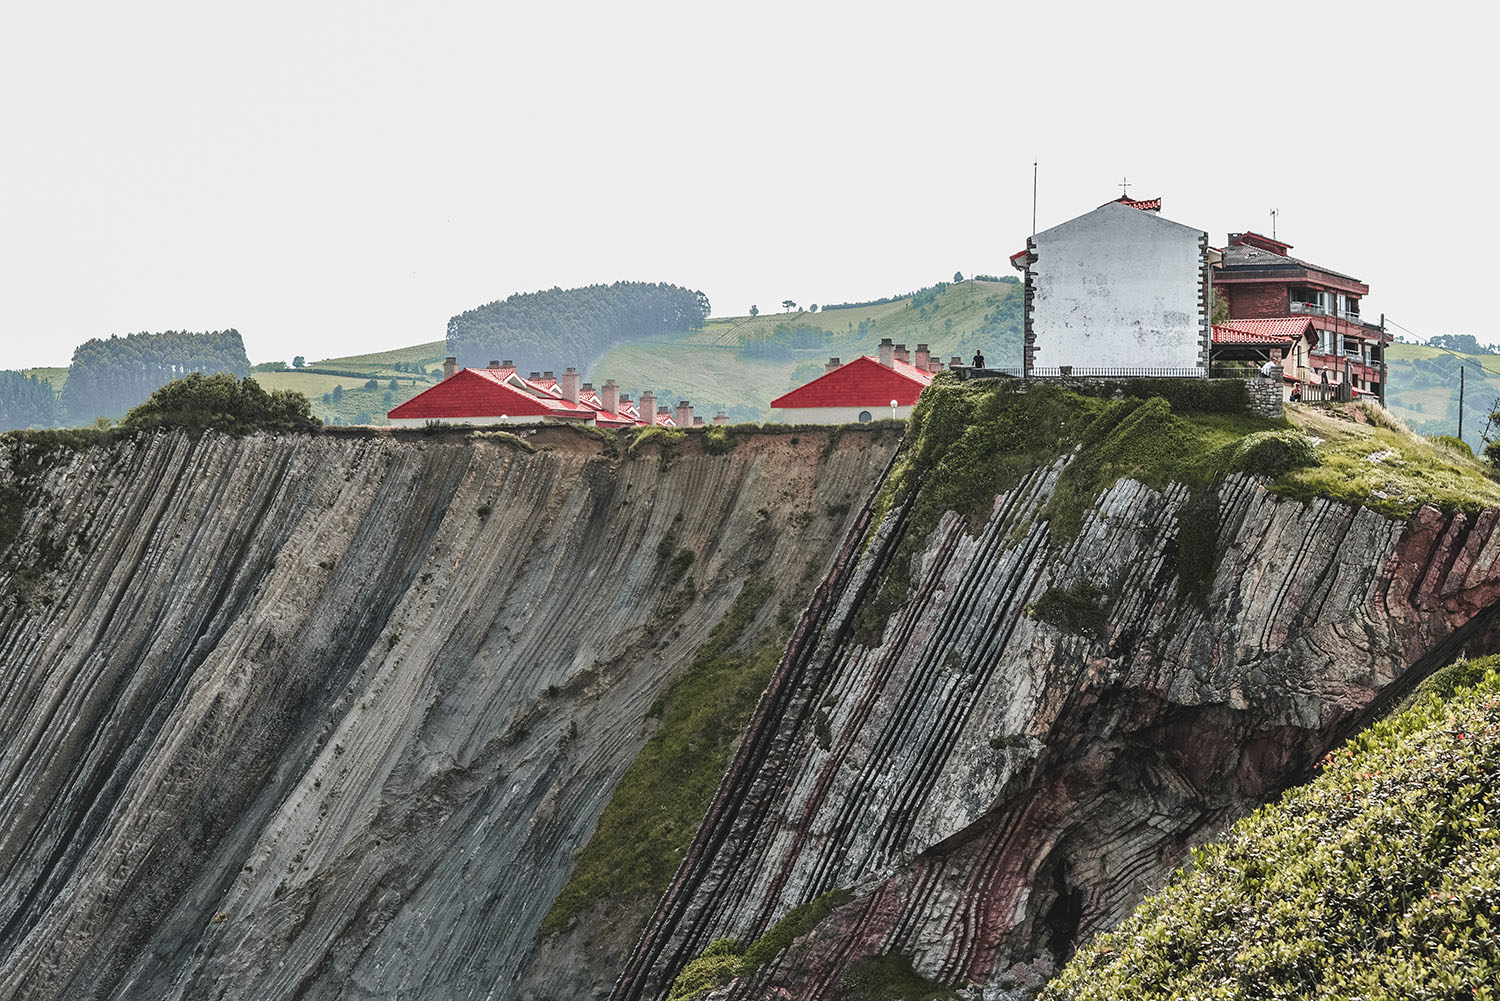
(1310, 307)
(1116, 373)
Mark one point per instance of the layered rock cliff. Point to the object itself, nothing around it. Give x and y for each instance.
(329, 716)
(1048, 720)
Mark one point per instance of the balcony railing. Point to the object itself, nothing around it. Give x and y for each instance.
(1310, 307)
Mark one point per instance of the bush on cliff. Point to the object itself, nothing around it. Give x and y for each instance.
(221, 402)
(1271, 453)
(1378, 880)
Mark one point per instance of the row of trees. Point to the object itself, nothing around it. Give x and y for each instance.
(111, 375)
(27, 402)
(561, 327)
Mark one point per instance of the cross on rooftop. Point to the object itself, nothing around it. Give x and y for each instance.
(1124, 184)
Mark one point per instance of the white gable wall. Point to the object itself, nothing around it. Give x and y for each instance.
(1118, 288)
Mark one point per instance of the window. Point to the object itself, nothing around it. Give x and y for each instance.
(864, 417)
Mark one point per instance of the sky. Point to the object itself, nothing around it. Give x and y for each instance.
(333, 178)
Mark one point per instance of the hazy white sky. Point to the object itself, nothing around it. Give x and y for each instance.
(339, 177)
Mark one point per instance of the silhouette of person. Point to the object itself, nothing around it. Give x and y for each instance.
(978, 359)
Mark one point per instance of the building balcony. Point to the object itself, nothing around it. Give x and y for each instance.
(1313, 309)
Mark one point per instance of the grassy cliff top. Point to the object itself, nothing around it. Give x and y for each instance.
(1378, 880)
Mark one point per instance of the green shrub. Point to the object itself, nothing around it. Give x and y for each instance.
(221, 402)
(718, 439)
(1379, 880)
(663, 436)
(1457, 444)
(1271, 453)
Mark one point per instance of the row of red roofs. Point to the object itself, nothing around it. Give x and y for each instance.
(500, 393)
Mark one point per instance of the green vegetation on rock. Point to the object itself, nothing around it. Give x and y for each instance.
(890, 977)
(1378, 880)
(1079, 609)
(724, 960)
(655, 810)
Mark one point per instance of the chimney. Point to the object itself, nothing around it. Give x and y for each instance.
(924, 360)
(450, 365)
(648, 406)
(887, 352)
(901, 354)
(609, 396)
(535, 377)
(833, 363)
(494, 363)
(721, 418)
(697, 422)
(684, 415)
(956, 362)
(663, 412)
(588, 387)
(624, 402)
(547, 376)
(507, 363)
(934, 366)
(570, 384)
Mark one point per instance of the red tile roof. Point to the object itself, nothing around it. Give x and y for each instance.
(483, 392)
(863, 382)
(1144, 204)
(1275, 330)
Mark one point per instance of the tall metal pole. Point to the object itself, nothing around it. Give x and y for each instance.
(1460, 403)
(1033, 197)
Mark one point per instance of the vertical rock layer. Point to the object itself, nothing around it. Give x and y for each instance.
(327, 717)
(991, 786)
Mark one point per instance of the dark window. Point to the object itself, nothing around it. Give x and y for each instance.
(864, 417)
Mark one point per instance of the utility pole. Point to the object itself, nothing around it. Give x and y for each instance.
(1460, 403)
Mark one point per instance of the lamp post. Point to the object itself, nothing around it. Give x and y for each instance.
(893, 410)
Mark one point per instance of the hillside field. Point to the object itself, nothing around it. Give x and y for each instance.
(1424, 390)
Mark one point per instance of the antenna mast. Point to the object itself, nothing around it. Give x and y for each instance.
(1033, 197)
(1273, 224)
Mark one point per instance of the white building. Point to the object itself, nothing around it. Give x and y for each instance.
(1119, 291)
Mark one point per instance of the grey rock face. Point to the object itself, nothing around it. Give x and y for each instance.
(993, 788)
(327, 717)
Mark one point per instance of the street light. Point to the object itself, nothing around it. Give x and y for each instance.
(893, 410)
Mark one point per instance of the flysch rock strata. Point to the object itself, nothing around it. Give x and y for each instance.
(993, 788)
(328, 716)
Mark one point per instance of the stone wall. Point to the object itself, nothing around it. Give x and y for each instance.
(1265, 393)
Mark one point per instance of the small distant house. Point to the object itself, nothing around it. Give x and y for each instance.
(1119, 291)
(499, 394)
(1259, 280)
(861, 390)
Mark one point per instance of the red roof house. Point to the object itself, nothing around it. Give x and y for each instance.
(860, 391)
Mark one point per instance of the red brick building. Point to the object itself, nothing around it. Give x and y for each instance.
(1258, 280)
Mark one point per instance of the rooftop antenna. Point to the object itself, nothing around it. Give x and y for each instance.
(1033, 197)
(1273, 224)
(1124, 184)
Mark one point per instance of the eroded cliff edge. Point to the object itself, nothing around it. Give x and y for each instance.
(328, 716)
(1067, 697)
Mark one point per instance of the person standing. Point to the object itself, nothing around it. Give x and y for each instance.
(978, 359)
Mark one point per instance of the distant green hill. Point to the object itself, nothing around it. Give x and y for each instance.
(1423, 389)
(742, 363)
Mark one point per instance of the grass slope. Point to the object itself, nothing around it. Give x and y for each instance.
(1378, 880)
(713, 368)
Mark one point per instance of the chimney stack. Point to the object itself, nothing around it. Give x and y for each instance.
(547, 376)
(833, 363)
(900, 351)
(662, 412)
(648, 407)
(609, 396)
(684, 415)
(697, 422)
(494, 363)
(887, 352)
(450, 365)
(570, 384)
(535, 377)
(507, 363)
(588, 387)
(721, 418)
(956, 362)
(924, 360)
